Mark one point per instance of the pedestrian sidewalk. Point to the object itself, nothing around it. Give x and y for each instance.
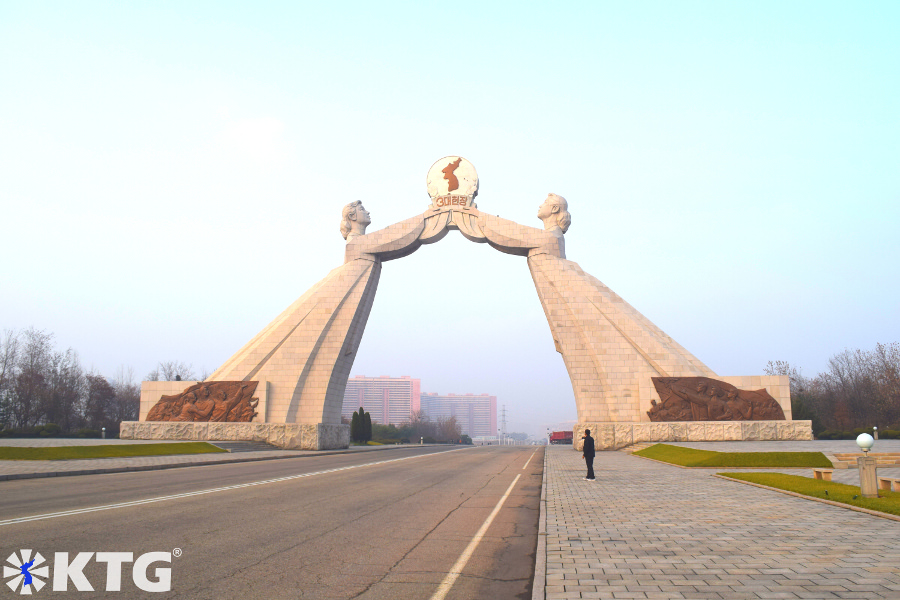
(649, 530)
(29, 469)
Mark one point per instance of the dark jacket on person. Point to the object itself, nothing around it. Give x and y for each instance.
(588, 449)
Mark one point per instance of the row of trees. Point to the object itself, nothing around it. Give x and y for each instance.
(860, 388)
(40, 385)
(420, 426)
(361, 426)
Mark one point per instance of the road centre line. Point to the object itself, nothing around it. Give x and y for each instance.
(91, 509)
(529, 460)
(457, 568)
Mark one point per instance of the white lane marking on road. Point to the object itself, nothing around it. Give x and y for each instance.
(81, 511)
(529, 460)
(457, 568)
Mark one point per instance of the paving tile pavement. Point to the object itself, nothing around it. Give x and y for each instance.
(649, 530)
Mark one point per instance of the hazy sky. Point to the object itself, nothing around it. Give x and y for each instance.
(172, 175)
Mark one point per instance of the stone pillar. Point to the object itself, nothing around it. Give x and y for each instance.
(868, 479)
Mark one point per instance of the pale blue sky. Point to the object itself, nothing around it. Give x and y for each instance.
(731, 169)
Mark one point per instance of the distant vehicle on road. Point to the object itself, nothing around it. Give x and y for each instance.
(561, 437)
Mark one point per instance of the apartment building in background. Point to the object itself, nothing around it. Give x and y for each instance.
(475, 413)
(390, 400)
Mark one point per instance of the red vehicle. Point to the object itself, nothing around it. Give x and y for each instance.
(561, 437)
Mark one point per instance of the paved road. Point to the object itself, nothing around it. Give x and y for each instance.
(239, 452)
(372, 525)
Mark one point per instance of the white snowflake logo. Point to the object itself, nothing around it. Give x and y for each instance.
(26, 572)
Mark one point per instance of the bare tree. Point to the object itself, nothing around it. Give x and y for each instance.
(64, 401)
(40, 385)
(128, 395)
(782, 367)
(9, 347)
(171, 370)
(31, 385)
(99, 405)
(860, 388)
(448, 429)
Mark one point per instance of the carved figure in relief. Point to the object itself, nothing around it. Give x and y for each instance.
(740, 409)
(354, 220)
(706, 399)
(554, 212)
(716, 408)
(194, 409)
(214, 401)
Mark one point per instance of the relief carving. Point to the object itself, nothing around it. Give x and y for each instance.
(213, 401)
(706, 399)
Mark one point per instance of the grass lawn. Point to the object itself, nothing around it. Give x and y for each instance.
(888, 502)
(110, 451)
(689, 457)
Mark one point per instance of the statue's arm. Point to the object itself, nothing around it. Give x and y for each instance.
(394, 241)
(512, 238)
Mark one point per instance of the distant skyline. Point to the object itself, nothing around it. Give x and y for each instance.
(731, 170)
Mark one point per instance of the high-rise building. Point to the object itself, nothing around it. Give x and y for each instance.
(390, 400)
(476, 414)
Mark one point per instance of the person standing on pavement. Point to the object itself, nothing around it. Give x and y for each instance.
(588, 454)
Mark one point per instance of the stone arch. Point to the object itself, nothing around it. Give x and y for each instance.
(608, 347)
(617, 360)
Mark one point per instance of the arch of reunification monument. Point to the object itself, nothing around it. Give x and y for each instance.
(632, 382)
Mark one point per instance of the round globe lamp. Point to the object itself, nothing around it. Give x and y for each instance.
(865, 442)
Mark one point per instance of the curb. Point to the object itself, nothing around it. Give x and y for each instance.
(206, 463)
(539, 584)
(874, 513)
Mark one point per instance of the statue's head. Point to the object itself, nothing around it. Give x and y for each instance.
(701, 387)
(554, 212)
(354, 219)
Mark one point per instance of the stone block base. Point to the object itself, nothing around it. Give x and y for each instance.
(613, 436)
(290, 436)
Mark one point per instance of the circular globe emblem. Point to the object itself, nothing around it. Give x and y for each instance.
(452, 182)
(26, 573)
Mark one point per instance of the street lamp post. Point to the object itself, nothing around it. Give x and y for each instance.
(868, 475)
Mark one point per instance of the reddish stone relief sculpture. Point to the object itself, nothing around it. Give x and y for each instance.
(706, 399)
(213, 401)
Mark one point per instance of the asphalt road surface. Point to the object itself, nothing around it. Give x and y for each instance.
(413, 523)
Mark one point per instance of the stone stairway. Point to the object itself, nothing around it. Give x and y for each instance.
(636, 447)
(847, 460)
